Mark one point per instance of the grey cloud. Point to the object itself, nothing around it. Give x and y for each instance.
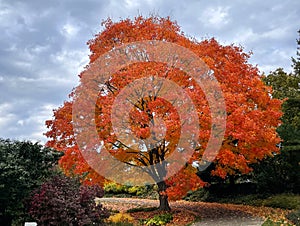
(43, 45)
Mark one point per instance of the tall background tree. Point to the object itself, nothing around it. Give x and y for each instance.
(282, 173)
(24, 166)
(252, 115)
(296, 61)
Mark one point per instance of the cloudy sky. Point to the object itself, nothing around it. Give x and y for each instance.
(43, 45)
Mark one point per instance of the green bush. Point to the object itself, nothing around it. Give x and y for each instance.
(115, 188)
(286, 178)
(137, 190)
(24, 166)
(294, 217)
(205, 195)
(162, 219)
(283, 201)
(127, 190)
(252, 200)
(198, 195)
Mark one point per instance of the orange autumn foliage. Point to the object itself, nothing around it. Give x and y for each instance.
(252, 115)
(61, 138)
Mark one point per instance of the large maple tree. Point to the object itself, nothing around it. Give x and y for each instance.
(252, 115)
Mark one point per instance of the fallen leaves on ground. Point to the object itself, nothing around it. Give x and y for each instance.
(185, 212)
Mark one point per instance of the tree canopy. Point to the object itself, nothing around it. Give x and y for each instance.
(252, 115)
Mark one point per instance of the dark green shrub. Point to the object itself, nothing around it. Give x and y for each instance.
(198, 195)
(223, 194)
(283, 201)
(24, 166)
(278, 174)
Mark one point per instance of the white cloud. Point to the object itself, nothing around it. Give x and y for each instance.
(5, 13)
(39, 49)
(73, 61)
(130, 4)
(37, 121)
(69, 30)
(215, 16)
(6, 116)
(245, 36)
(29, 127)
(20, 122)
(275, 33)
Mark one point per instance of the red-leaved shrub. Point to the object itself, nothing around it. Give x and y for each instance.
(64, 201)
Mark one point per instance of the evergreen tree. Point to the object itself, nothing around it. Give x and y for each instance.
(281, 174)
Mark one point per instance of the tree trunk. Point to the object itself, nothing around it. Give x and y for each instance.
(163, 197)
(231, 181)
